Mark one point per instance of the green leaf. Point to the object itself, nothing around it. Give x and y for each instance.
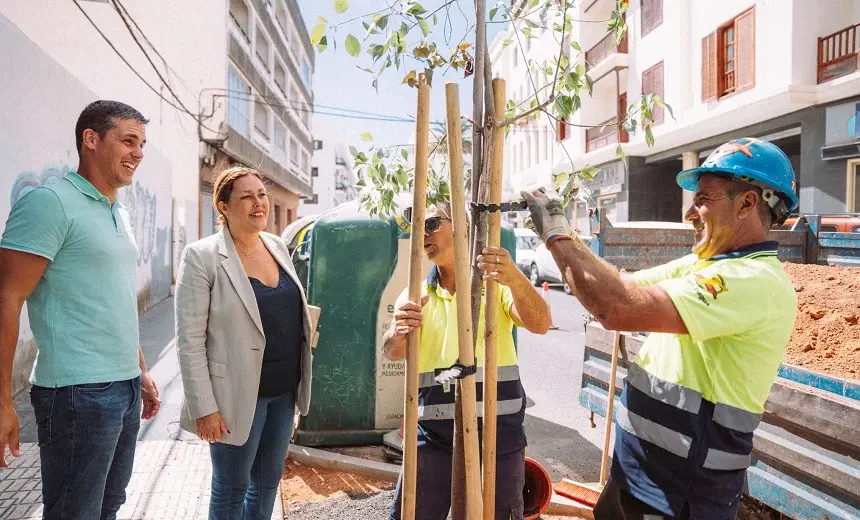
(405, 153)
(589, 83)
(670, 110)
(563, 62)
(323, 44)
(526, 32)
(353, 150)
(318, 32)
(569, 187)
(416, 9)
(435, 20)
(563, 106)
(531, 24)
(576, 46)
(649, 137)
(352, 45)
(589, 172)
(425, 28)
(366, 137)
(506, 43)
(580, 69)
(320, 19)
(621, 155)
(532, 3)
(340, 6)
(493, 12)
(428, 77)
(533, 102)
(561, 179)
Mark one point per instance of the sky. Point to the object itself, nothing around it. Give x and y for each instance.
(338, 81)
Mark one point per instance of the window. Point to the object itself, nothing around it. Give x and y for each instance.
(315, 172)
(237, 104)
(728, 57)
(278, 223)
(305, 162)
(515, 50)
(652, 83)
(294, 152)
(261, 118)
(561, 129)
(536, 142)
(313, 200)
(281, 17)
(528, 150)
(280, 77)
(239, 13)
(262, 47)
(652, 15)
(280, 136)
(306, 73)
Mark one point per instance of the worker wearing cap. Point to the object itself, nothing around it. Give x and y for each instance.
(720, 320)
(435, 318)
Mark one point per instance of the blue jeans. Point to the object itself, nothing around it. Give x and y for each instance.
(245, 478)
(87, 436)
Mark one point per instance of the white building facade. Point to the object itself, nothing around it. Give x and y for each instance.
(783, 71)
(331, 173)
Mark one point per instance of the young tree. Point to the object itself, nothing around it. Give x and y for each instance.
(403, 36)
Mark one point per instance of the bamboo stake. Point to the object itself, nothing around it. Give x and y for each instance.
(464, 309)
(491, 338)
(604, 460)
(416, 257)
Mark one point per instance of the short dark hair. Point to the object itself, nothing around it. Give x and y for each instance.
(100, 116)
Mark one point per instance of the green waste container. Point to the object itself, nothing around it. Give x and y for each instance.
(358, 266)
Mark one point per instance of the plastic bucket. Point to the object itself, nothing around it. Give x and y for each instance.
(537, 492)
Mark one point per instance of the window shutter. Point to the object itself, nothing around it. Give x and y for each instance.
(651, 15)
(745, 28)
(657, 88)
(709, 67)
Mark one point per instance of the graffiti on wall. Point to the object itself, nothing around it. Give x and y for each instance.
(141, 206)
(26, 181)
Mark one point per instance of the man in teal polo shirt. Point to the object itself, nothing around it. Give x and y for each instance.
(69, 252)
(720, 320)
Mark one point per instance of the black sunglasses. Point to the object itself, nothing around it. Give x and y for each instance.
(432, 224)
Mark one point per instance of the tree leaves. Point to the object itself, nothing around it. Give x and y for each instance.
(425, 29)
(340, 6)
(352, 46)
(318, 32)
(366, 136)
(416, 9)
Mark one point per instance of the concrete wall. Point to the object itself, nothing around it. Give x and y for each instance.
(822, 183)
(41, 104)
(811, 21)
(190, 35)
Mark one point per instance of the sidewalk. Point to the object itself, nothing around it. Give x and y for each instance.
(172, 473)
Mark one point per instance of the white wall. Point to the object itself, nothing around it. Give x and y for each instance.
(811, 21)
(334, 144)
(37, 142)
(190, 35)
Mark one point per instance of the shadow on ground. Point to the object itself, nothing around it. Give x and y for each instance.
(563, 452)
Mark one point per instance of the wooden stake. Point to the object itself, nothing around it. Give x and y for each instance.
(613, 368)
(464, 301)
(416, 259)
(491, 338)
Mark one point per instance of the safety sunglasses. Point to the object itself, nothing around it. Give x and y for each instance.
(433, 223)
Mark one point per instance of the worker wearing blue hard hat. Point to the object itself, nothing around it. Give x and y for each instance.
(720, 320)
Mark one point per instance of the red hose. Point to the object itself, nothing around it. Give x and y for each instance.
(537, 492)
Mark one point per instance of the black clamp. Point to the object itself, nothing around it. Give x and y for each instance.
(519, 205)
(445, 376)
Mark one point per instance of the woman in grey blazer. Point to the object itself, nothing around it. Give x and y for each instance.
(243, 332)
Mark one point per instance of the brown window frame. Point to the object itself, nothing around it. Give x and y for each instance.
(657, 113)
(717, 80)
(655, 18)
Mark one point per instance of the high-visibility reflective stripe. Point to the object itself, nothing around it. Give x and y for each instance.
(723, 460)
(445, 412)
(672, 394)
(656, 434)
(735, 418)
(505, 373)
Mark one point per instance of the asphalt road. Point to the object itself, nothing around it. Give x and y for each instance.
(559, 430)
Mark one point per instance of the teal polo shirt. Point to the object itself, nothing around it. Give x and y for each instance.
(83, 312)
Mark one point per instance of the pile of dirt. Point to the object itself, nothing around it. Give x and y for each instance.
(826, 334)
(302, 484)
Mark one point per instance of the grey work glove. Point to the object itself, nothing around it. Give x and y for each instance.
(547, 212)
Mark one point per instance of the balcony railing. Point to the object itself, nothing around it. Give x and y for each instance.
(837, 53)
(607, 133)
(604, 49)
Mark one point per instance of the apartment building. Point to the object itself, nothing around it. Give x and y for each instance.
(331, 172)
(783, 71)
(263, 106)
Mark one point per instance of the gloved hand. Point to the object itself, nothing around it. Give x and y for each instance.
(547, 212)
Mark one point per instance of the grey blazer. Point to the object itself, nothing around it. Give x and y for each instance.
(219, 335)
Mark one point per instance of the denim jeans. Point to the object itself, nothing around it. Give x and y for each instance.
(433, 500)
(245, 478)
(87, 436)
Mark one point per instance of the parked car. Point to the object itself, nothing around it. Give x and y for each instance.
(536, 261)
(831, 223)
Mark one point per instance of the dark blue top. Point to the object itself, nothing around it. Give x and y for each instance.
(283, 318)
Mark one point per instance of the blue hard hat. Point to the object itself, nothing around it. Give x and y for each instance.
(749, 160)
